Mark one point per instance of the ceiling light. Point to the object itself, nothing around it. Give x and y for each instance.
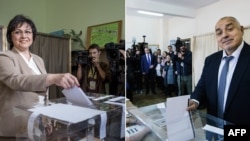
(150, 13)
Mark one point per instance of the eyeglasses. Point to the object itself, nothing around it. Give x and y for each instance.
(20, 32)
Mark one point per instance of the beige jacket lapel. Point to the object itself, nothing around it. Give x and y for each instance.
(24, 66)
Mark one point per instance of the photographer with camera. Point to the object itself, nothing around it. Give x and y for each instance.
(116, 57)
(92, 75)
(184, 70)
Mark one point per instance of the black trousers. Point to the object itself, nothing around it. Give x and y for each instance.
(149, 80)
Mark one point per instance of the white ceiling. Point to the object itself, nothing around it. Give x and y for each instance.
(195, 4)
(170, 8)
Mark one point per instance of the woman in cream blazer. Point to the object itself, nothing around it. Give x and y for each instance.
(23, 77)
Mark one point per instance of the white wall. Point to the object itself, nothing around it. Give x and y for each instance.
(207, 17)
(181, 27)
(136, 27)
(162, 31)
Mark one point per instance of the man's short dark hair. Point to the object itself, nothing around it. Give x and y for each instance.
(94, 46)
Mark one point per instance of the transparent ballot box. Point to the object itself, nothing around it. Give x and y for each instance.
(154, 117)
(58, 122)
(115, 121)
(115, 108)
(98, 97)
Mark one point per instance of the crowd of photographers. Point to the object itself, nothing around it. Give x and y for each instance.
(168, 72)
(172, 70)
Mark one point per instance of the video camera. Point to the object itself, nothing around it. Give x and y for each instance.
(178, 44)
(82, 57)
(113, 53)
(116, 65)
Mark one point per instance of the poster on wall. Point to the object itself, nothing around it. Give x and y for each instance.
(104, 33)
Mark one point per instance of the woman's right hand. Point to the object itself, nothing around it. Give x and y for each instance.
(65, 80)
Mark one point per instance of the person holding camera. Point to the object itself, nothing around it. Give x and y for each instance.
(184, 70)
(92, 76)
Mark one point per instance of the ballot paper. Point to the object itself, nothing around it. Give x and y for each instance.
(178, 120)
(77, 97)
(102, 97)
(214, 129)
(68, 113)
(120, 99)
(131, 130)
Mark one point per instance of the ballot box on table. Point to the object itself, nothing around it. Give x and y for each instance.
(114, 114)
(58, 121)
(116, 118)
(204, 126)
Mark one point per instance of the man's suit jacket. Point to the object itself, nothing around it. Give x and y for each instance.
(238, 101)
(18, 87)
(144, 63)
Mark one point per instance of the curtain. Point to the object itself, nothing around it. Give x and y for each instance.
(246, 36)
(203, 46)
(55, 52)
(3, 39)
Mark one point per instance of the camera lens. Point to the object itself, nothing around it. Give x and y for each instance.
(113, 54)
(90, 59)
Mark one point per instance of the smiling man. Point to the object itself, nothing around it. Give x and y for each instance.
(226, 93)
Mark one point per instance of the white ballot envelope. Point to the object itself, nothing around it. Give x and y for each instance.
(178, 120)
(76, 96)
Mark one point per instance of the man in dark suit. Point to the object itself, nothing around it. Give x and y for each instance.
(148, 64)
(236, 105)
